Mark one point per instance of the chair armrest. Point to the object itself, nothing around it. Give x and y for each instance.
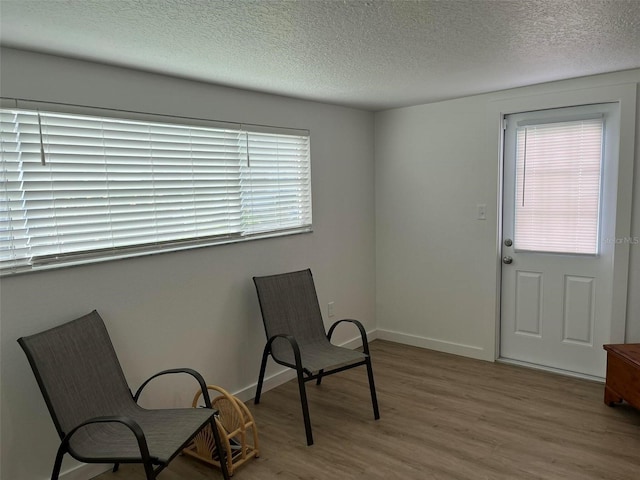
(294, 345)
(128, 422)
(363, 332)
(189, 371)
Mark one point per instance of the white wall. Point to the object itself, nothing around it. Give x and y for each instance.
(422, 264)
(196, 308)
(436, 265)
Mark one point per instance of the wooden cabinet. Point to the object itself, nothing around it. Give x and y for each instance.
(623, 374)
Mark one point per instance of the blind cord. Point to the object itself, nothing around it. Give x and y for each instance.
(246, 136)
(42, 157)
(524, 167)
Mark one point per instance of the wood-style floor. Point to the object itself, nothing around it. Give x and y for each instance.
(442, 417)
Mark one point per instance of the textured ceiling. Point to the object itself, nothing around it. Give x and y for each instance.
(371, 54)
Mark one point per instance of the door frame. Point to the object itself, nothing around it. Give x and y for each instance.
(625, 96)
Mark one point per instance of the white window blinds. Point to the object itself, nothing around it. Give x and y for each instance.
(558, 170)
(78, 185)
(275, 183)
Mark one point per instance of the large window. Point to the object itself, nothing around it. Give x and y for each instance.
(82, 187)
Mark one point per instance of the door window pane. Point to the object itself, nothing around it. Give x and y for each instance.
(558, 172)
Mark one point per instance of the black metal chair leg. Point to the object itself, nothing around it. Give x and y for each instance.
(305, 406)
(372, 387)
(263, 367)
(319, 377)
(222, 452)
(148, 470)
(58, 463)
(116, 466)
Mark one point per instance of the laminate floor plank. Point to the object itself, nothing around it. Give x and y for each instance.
(443, 417)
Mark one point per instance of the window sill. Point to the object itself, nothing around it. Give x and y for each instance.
(143, 251)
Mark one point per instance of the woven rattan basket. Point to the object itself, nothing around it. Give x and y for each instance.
(237, 429)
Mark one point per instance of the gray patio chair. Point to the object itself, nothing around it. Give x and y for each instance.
(296, 337)
(94, 412)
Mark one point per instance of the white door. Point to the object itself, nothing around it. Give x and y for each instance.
(559, 206)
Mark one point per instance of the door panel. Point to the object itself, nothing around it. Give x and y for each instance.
(528, 303)
(579, 314)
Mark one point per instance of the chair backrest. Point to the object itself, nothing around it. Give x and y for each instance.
(78, 371)
(289, 305)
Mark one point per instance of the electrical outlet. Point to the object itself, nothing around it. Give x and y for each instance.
(330, 306)
(482, 211)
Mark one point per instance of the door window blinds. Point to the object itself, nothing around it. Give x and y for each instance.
(558, 173)
(80, 186)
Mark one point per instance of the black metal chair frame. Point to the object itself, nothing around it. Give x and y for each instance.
(304, 375)
(147, 460)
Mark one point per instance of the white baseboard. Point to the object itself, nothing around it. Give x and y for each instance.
(272, 381)
(432, 344)
(88, 471)
(85, 471)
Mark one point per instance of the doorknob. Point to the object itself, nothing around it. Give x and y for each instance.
(507, 259)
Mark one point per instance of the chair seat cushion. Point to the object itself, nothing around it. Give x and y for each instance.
(316, 356)
(166, 431)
